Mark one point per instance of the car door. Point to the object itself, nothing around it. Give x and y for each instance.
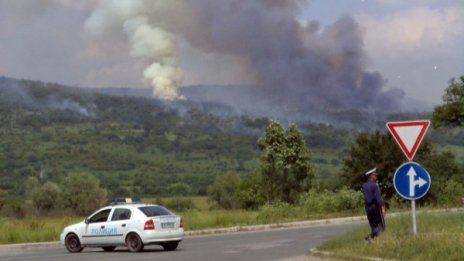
(119, 223)
(96, 231)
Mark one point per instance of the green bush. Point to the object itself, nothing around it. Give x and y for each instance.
(330, 202)
(14, 208)
(451, 194)
(224, 191)
(3, 194)
(46, 198)
(179, 189)
(82, 193)
(277, 212)
(179, 204)
(250, 192)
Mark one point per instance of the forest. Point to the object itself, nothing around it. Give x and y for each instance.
(141, 146)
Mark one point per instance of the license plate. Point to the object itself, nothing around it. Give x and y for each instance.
(167, 225)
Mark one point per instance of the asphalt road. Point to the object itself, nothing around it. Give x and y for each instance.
(264, 245)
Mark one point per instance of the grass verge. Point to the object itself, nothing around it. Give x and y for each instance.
(33, 229)
(439, 237)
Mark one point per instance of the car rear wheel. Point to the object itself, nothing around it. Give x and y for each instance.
(170, 246)
(134, 243)
(72, 243)
(108, 248)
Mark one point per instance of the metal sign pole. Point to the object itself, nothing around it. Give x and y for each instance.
(413, 208)
(409, 135)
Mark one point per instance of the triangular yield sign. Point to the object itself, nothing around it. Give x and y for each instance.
(409, 135)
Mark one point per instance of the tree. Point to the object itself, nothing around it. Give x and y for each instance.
(3, 194)
(250, 192)
(31, 184)
(451, 113)
(444, 172)
(179, 189)
(224, 191)
(381, 151)
(285, 163)
(82, 193)
(46, 197)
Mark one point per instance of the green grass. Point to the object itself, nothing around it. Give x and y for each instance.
(197, 220)
(33, 229)
(439, 237)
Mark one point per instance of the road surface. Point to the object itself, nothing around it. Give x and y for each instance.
(278, 244)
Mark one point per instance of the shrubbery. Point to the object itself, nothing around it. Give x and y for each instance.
(82, 193)
(330, 201)
(277, 212)
(452, 194)
(76, 194)
(179, 204)
(313, 204)
(224, 191)
(47, 197)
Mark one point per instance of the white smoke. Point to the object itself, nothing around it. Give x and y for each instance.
(299, 66)
(159, 46)
(149, 42)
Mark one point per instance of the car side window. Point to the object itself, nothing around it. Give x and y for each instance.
(101, 216)
(121, 214)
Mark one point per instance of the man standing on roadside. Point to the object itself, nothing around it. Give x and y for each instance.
(374, 204)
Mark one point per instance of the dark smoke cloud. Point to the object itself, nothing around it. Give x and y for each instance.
(295, 65)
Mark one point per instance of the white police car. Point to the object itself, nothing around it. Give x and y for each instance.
(131, 225)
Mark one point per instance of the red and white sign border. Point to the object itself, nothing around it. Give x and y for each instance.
(409, 153)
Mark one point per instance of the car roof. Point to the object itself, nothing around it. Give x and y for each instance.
(133, 205)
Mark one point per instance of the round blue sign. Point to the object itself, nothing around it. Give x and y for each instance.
(411, 181)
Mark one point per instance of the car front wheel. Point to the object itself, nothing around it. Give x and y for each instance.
(134, 243)
(72, 243)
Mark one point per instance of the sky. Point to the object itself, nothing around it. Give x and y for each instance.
(415, 46)
(421, 44)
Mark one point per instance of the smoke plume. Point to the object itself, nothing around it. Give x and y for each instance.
(296, 65)
(148, 41)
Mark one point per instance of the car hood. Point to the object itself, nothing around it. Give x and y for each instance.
(74, 227)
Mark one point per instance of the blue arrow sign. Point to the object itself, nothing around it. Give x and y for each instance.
(411, 181)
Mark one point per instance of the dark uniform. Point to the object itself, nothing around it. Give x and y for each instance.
(373, 204)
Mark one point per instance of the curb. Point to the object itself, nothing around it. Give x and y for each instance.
(309, 223)
(204, 232)
(319, 253)
(29, 246)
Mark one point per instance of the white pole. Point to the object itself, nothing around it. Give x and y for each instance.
(413, 208)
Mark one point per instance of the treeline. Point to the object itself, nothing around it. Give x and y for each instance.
(144, 147)
(286, 174)
(281, 153)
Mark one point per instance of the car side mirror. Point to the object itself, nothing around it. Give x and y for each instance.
(86, 221)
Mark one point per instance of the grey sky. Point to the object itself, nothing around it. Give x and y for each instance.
(417, 46)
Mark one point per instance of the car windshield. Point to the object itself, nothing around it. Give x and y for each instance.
(154, 211)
